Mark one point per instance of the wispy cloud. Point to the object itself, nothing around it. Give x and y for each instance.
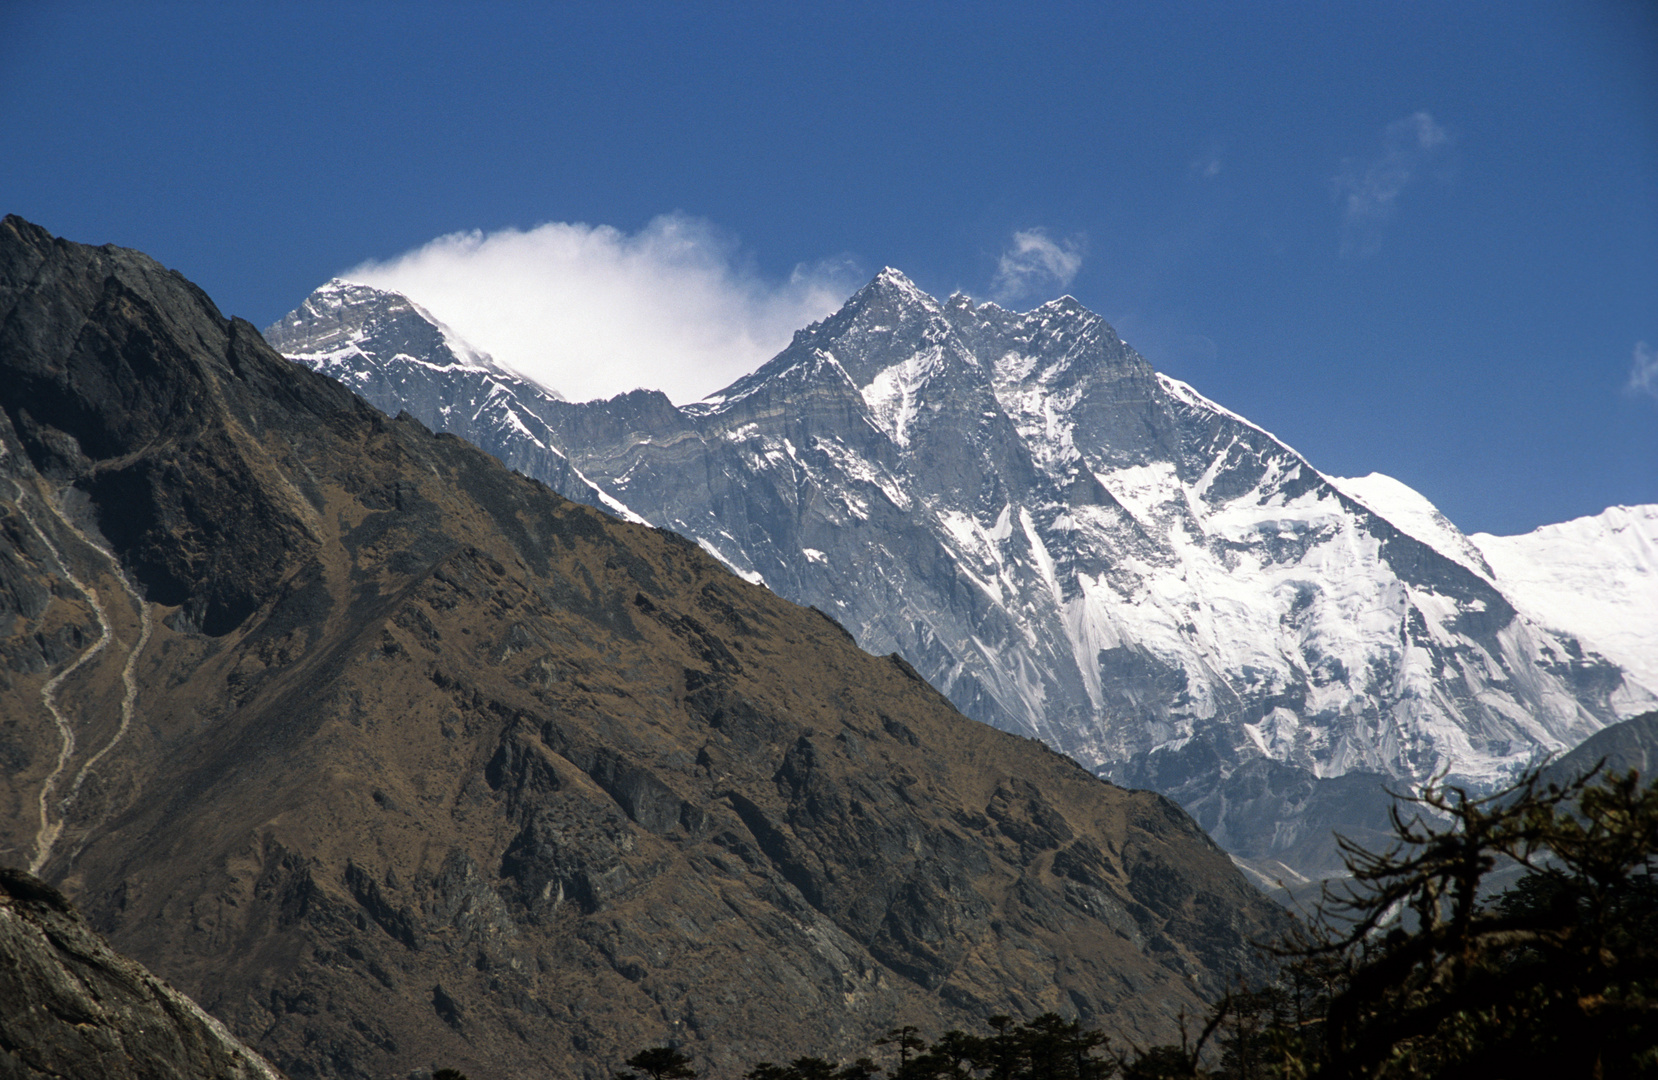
(1369, 189)
(1036, 261)
(593, 311)
(1209, 163)
(1643, 373)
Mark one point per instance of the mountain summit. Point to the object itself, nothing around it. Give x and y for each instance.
(1070, 545)
(391, 757)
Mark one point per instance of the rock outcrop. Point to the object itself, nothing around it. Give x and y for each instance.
(70, 1006)
(394, 759)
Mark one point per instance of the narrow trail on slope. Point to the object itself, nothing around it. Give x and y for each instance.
(47, 833)
(129, 680)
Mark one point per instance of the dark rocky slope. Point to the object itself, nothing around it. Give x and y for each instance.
(70, 1006)
(392, 758)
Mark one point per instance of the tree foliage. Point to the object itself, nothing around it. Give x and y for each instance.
(659, 1063)
(1412, 968)
(1409, 968)
(1423, 975)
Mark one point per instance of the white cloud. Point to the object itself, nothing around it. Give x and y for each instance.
(1643, 373)
(1209, 163)
(592, 311)
(1036, 261)
(1368, 190)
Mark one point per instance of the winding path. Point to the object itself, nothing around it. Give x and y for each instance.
(129, 680)
(46, 835)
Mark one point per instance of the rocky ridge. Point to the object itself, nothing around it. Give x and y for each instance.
(71, 1006)
(1073, 546)
(392, 758)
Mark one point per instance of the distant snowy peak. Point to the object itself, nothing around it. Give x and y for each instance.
(1070, 545)
(1593, 577)
(345, 324)
(399, 357)
(892, 281)
(1409, 511)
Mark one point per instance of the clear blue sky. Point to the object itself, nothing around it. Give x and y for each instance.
(1415, 238)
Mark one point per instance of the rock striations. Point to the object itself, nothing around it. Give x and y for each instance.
(1071, 545)
(393, 759)
(70, 1006)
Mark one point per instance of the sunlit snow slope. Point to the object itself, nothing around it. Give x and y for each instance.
(1073, 546)
(1594, 577)
(1410, 511)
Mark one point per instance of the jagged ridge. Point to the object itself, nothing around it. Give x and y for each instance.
(431, 766)
(1071, 545)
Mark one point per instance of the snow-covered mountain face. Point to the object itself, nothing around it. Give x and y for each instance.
(393, 353)
(1594, 577)
(1067, 544)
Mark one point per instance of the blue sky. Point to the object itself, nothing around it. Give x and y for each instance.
(1415, 238)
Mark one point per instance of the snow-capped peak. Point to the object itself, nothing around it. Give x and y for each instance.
(1409, 511)
(345, 319)
(1071, 545)
(892, 284)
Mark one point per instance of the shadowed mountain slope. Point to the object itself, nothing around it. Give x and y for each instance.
(393, 758)
(1633, 744)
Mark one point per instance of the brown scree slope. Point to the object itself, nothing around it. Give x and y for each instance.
(422, 764)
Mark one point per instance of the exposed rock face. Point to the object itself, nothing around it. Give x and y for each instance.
(394, 759)
(70, 1006)
(1070, 545)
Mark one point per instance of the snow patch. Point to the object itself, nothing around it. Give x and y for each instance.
(1409, 511)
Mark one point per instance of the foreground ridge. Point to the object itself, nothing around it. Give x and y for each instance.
(71, 1006)
(434, 767)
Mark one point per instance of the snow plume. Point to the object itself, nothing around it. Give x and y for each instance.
(1036, 261)
(1368, 190)
(592, 311)
(1643, 373)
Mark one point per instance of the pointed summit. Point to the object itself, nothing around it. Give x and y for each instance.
(891, 286)
(894, 276)
(353, 322)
